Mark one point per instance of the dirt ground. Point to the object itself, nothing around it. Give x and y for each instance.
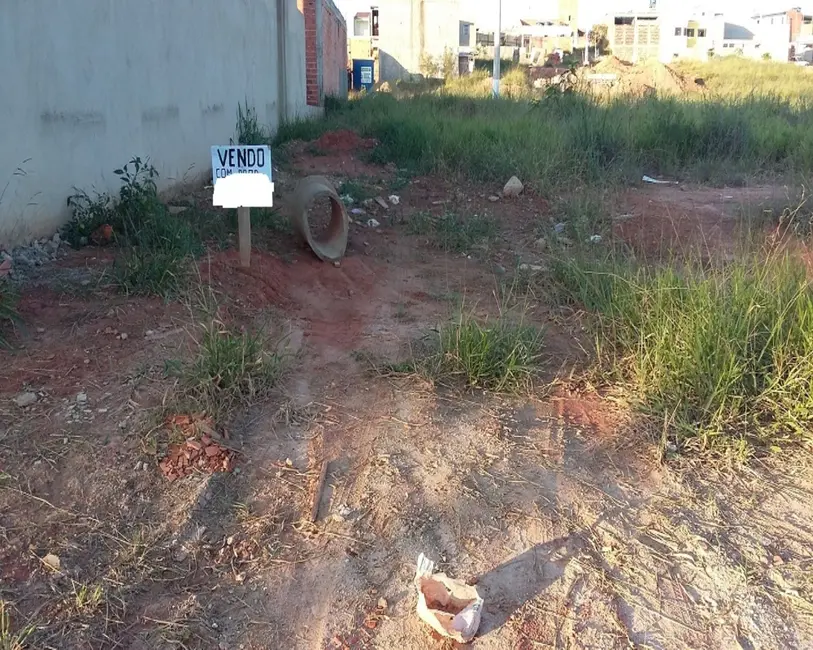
(557, 504)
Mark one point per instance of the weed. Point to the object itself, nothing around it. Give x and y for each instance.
(249, 130)
(583, 212)
(271, 219)
(230, 367)
(356, 189)
(12, 640)
(159, 244)
(89, 213)
(86, 599)
(725, 353)
(451, 232)
(8, 311)
(500, 355)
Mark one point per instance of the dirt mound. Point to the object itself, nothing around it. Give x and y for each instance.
(610, 64)
(336, 302)
(641, 78)
(343, 141)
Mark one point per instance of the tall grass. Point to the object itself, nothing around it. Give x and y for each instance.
(736, 76)
(556, 142)
(725, 353)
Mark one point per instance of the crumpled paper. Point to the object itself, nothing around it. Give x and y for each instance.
(451, 607)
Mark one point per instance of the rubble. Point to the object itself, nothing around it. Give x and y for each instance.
(199, 452)
(16, 262)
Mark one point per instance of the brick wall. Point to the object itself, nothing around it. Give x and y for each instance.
(311, 46)
(325, 50)
(334, 52)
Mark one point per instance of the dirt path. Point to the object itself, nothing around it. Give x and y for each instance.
(556, 505)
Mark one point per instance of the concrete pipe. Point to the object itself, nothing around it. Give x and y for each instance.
(331, 244)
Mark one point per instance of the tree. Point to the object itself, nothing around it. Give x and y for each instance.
(598, 37)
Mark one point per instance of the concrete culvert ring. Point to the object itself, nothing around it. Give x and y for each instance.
(330, 242)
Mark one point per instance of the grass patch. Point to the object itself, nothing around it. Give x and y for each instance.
(452, 232)
(231, 367)
(735, 76)
(724, 353)
(578, 139)
(500, 354)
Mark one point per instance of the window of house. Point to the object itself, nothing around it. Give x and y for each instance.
(678, 31)
(701, 33)
(690, 32)
(375, 21)
(623, 20)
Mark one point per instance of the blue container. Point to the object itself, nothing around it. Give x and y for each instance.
(363, 76)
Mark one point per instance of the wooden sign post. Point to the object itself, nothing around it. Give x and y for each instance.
(242, 179)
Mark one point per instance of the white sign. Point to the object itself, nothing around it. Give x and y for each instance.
(366, 75)
(241, 175)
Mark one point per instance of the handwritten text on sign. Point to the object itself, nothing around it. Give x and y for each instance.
(240, 159)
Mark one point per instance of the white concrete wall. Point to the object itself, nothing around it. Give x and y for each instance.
(772, 34)
(87, 84)
(409, 28)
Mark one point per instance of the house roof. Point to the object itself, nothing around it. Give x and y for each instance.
(734, 32)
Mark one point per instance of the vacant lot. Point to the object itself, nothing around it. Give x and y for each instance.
(593, 399)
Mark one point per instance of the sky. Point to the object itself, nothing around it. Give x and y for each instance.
(485, 11)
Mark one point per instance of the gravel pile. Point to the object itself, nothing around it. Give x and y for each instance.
(25, 258)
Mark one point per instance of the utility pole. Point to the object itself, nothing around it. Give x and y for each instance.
(496, 83)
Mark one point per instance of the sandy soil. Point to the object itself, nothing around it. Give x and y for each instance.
(557, 504)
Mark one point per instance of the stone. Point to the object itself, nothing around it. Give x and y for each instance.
(493, 198)
(177, 209)
(595, 239)
(395, 199)
(531, 268)
(559, 227)
(382, 202)
(541, 244)
(52, 562)
(513, 187)
(81, 398)
(372, 223)
(25, 399)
